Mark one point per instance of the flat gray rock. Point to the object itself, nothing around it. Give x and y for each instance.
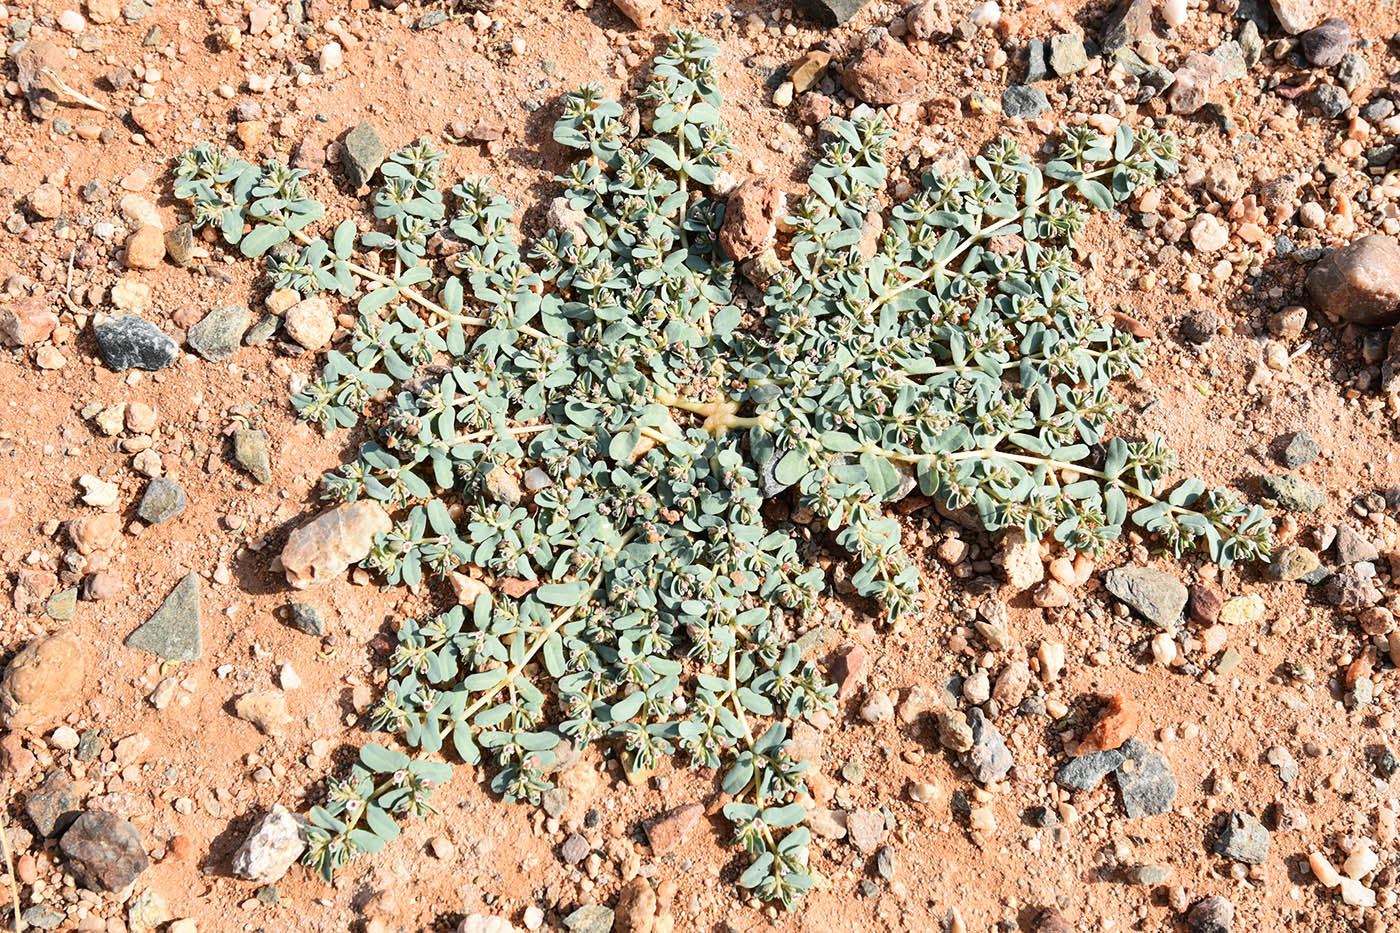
(1145, 781)
(988, 759)
(174, 631)
(1086, 771)
(362, 153)
(164, 499)
(1154, 594)
(1243, 839)
(219, 333)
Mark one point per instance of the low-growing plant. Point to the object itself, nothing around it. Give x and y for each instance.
(591, 429)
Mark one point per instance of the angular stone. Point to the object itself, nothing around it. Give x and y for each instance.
(219, 333)
(1300, 451)
(321, 550)
(1194, 80)
(42, 682)
(832, 12)
(174, 631)
(668, 831)
(1154, 594)
(866, 827)
(26, 322)
(1037, 69)
(1084, 772)
(1145, 781)
(273, 845)
(104, 851)
(163, 500)
(988, 759)
(179, 244)
(750, 218)
(1067, 54)
(307, 618)
(62, 606)
(1118, 722)
(1292, 493)
(1023, 102)
(1360, 283)
(590, 918)
(931, 19)
(884, 71)
(264, 709)
(1125, 25)
(50, 806)
(129, 342)
(1326, 43)
(1243, 839)
(250, 451)
(1293, 563)
(636, 907)
(361, 154)
(1296, 16)
(1352, 547)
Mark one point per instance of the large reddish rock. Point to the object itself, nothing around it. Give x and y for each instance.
(26, 322)
(750, 218)
(321, 550)
(42, 682)
(884, 71)
(1360, 282)
(668, 831)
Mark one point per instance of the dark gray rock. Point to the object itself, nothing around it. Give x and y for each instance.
(362, 153)
(174, 631)
(1301, 450)
(250, 450)
(831, 12)
(1067, 54)
(988, 759)
(218, 334)
(1145, 781)
(1154, 594)
(1243, 839)
(1023, 102)
(130, 342)
(1325, 44)
(307, 618)
(104, 851)
(1331, 100)
(1084, 772)
(51, 806)
(1292, 493)
(1125, 25)
(42, 917)
(1036, 67)
(163, 500)
(1212, 914)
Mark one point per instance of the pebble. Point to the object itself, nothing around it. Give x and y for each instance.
(1023, 102)
(666, 832)
(321, 550)
(988, 759)
(866, 828)
(1067, 54)
(131, 342)
(1325, 44)
(1085, 772)
(884, 71)
(362, 152)
(104, 852)
(1243, 838)
(145, 248)
(163, 500)
(1145, 781)
(250, 452)
(1212, 914)
(310, 322)
(1156, 595)
(220, 332)
(43, 681)
(1360, 283)
(1297, 16)
(877, 708)
(1292, 493)
(1209, 234)
(1301, 450)
(265, 710)
(174, 632)
(50, 805)
(272, 846)
(307, 618)
(590, 918)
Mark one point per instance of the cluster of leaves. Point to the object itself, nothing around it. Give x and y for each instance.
(591, 430)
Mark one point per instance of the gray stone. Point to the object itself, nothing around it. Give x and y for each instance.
(1154, 594)
(1292, 493)
(1230, 57)
(179, 244)
(1036, 67)
(50, 806)
(575, 849)
(1301, 450)
(174, 632)
(104, 851)
(42, 917)
(1022, 102)
(1067, 54)
(273, 844)
(1243, 839)
(988, 759)
(63, 605)
(1200, 327)
(131, 342)
(1353, 72)
(218, 334)
(1378, 109)
(1125, 25)
(1282, 759)
(250, 450)
(1145, 781)
(1251, 44)
(590, 918)
(1212, 914)
(832, 12)
(1084, 772)
(163, 500)
(1331, 100)
(362, 153)
(307, 618)
(1150, 874)
(1325, 44)
(262, 330)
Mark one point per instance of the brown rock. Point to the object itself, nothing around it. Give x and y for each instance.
(642, 13)
(36, 65)
(16, 761)
(1020, 560)
(145, 248)
(310, 322)
(32, 587)
(310, 156)
(852, 672)
(884, 71)
(1194, 81)
(668, 831)
(264, 709)
(807, 70)
(1360, 283)
(42, 682)
(929, 20)
(149, 118)
(467, 588)
(26, 322)
(1205, 603)
(1050, 920)
(91, 533)
(182, 847)
(1117, 724)
(45, 201)
(516, 588)
(321, 550)
(750, 218)
(636, 907)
